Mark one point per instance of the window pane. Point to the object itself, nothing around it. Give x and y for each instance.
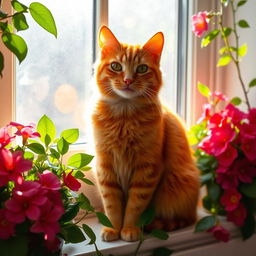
(136, 21)
(54, 78)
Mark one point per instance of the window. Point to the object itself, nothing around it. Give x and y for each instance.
(56, 77)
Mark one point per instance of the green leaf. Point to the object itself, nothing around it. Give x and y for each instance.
(14, 246)
(88, 182)
(243, 24)
(162, 251)
(213, 191)
(28, 155)
(1, 64)
(146, 217)
(54, 153)
(240, 3)
(160, 234)
(46, 127)
(84, 203)
(242, 50)
(226, 50)
(252, 83)
(62, 146)
(47, 140)
(15, 44)
(206, 178)
(19, 21)
(70, 135)
(74, 234)
(203, 89)
(89, 232)
(37, 148)
(103, 219)
(209, 37)
(43, 17)
(79, 175)
(19, 7)
(79, 160)
(249, 189)
(3, 14)
(70, 212)
(205, 223)
(207, 203)
(236, 101)
(248, 229)
(224, 60)
(226, 32)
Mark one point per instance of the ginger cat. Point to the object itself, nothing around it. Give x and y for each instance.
(143, 156)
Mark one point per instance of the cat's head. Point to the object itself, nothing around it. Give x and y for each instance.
(128, 71)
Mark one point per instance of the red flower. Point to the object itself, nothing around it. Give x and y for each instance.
(238, 215)
(227, 180)
(249, 148)
(12, 164)
(200, 23)
(228, 156)
(215, 120)
(50, 181)
(235, 115)
(230, 199)
(252, 116)
(206, 113)
(7, 228)
(48, 221)
(5, 138)
(244, 170)
(220, 233)
(26, 201)
(53, 245)
(71, 182)
(247, 131)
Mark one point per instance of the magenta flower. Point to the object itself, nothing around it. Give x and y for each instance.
(252, 116)
(247, 131)
(5, 138)
(53, 245)
(238, 215)
(227, 180)
(228, 156)
(220, 233)
(234, 114)
(48, 221)
(71, 182)
(230, 199)
(249, 148)
(25, 131)
(245, 170)
(200, 23)
(26, 201)
(7, 228)
(12, 164)
(48, 180)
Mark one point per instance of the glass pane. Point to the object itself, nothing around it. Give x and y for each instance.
(136, 21)
(54, 78)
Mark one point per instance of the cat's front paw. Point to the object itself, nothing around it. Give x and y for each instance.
(109, 234)
(130, 234)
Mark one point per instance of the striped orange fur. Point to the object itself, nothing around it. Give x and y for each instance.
(143, 156)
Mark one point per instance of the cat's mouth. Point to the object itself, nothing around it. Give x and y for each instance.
(128, 89)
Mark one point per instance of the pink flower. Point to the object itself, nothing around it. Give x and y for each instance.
(249, 148)
(206, 113)
(220, 233)
(245, 170)
(227, 180)
(7, 228)
(26, 201)
(238, 215)
(219, 96)
(5, 138)
(228, 156)
(230, 199)
(71, 182)
(252, 116)
(12, 164)
(48, 221)
(200, 23)
(48, 180)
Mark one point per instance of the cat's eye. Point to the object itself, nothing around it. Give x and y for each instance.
(116, 66)
(143, 68)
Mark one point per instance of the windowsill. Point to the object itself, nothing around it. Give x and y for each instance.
(181, 241)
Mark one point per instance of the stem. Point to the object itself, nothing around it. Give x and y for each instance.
(81, 218)
(235, 59)
(140, 242)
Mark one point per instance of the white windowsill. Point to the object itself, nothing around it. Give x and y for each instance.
(184, 242)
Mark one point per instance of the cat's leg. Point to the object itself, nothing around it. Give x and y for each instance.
(112, 197)
(142, 187)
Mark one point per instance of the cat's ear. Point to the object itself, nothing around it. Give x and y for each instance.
(155, 45)
(107, 40)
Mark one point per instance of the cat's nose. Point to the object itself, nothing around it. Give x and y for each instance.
(128, 81)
